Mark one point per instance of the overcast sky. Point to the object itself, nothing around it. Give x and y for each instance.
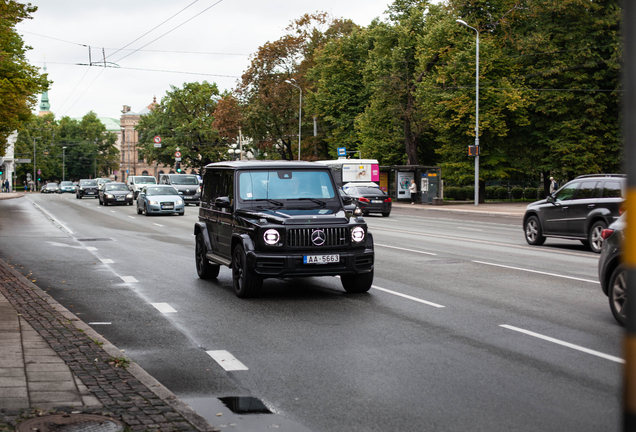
(214, 45)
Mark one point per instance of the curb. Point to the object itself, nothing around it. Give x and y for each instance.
(134, 369)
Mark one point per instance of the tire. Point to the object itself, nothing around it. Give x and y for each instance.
(534, 233)
(146, 211)
(617, 293)
(138, 210)
(246, 283)
(594, 236)
(360, 283)
(386, 214)
(182, 213)
(205, 270)
(100, 202)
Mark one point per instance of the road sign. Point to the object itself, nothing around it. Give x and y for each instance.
(342, 151)
(39, 172)
(23, 161)
(177, 159)
(177, 154)
(157, 139)
(157, 145)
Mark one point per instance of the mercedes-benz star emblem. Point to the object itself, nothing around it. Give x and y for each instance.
(318, 237)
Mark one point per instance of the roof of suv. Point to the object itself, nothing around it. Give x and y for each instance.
(266, 164)
(601, 175)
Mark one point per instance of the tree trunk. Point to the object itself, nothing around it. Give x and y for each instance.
(409, 143)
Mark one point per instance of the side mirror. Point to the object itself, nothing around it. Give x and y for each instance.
(347, 200)
(550, 199)
(222, 202)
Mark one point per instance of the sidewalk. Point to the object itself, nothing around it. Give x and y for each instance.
(513, 209)
(57, 371)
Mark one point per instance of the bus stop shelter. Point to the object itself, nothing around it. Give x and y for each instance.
(395, 181)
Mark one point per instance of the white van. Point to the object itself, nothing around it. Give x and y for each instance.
(137, 183)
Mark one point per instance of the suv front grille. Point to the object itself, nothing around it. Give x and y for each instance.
(302, 237)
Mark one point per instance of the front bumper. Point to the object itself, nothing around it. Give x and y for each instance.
(267, 264)
(159, 209)
(117, 200)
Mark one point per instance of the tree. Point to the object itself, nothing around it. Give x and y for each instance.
(20, 82)
(90, 150)
(183, 119)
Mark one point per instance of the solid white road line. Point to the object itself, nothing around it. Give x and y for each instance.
(99, 323)
(408, 297)
(226, 360)
(404, 249)
(50, 216)
(164, 308)
(538, 272)
(565, 344)
(157, 224)
(112, 211)
(132, 217)
(90, 248)
(128, 279)
(107, 261)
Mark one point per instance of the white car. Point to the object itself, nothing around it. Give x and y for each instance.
(137, 183)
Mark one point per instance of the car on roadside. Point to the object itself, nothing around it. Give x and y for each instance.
(187, 185)
(160, 199)
(50, 188)
(67, 187)
(369, 199)
(115, 193)
(137, 183)
(275, 219)
(580, 210)
(86, 187)
(611, 273)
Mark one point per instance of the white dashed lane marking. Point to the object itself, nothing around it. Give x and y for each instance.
(107, 261)
(538, 272)
(157, 224)
(226, 360)
(128, 279)
(406, 296)
(164, 308)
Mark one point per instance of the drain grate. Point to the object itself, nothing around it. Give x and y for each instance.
(70, 423)
(245, 405)
(94, 239)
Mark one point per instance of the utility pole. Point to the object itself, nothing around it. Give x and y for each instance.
(34, 160)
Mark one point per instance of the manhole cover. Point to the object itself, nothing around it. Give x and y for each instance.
(70, 423)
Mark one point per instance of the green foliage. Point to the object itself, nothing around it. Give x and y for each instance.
(184, 119)
(20, 82)
(516, 192)
(90, 150)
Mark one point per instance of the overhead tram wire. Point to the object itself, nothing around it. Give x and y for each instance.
(154, 40)
(86, 89)
(153, 29)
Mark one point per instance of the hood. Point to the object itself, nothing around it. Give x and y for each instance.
(297, 217)
(536, 203)
(182, 188)
(117, 192)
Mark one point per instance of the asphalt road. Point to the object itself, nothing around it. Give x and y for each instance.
(466, 328)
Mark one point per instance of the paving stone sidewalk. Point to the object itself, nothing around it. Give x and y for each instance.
(53, 363)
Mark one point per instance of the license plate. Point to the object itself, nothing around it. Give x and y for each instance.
(120, 198)
(376, 201)
(167, 207)
(321, 259)
(90, 193)
(187, 197)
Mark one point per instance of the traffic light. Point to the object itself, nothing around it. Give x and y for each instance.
(178, 167)
(1, 169)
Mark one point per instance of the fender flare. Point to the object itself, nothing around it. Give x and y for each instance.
(200, 227)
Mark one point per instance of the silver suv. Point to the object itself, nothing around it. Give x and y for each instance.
(137, 183)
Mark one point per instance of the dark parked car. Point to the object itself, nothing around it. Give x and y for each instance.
(370, 199)
(272, 219)
(67, 187)
(115, 193)
(580, 210)
(187, 185)
(86, 187)
(611, 273)
(159, 199)
(50, 188)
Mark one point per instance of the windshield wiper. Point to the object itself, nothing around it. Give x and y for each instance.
(271, 201)
(317, 201)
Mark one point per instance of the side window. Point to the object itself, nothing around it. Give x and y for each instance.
(588, 190)
(612, 189)
(215, 185)
(206, 192)
(567, 192)
(229, 185)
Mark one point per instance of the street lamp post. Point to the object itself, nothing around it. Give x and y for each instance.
(462, 22)
(300, 110)
(34, 160)
(63, 162)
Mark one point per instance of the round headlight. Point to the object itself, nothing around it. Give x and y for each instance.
(271, 237)
(179, 202)
(357, 234)
(153, 202)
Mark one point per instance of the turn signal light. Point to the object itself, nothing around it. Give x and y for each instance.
(387, 200)
(363, 199)
(606, 233)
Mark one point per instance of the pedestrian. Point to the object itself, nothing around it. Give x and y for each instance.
(7, 186)
(553, 185)
(413, 190)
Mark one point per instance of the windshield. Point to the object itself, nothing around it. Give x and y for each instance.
(150, 191)
(88, 182)
(285, 184)
(52, 185)
(116, 187)
(364, 191)
(185, 180)
(66, 183)
(145, 180)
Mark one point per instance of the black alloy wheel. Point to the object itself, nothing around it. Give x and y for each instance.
(360, 283)
(595, 238)
(246, 283)
(534, 234)
(617, 294)
(146, 210)
(205, 269)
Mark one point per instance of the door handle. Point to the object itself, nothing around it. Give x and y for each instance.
(565, 208)
(591, 205)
